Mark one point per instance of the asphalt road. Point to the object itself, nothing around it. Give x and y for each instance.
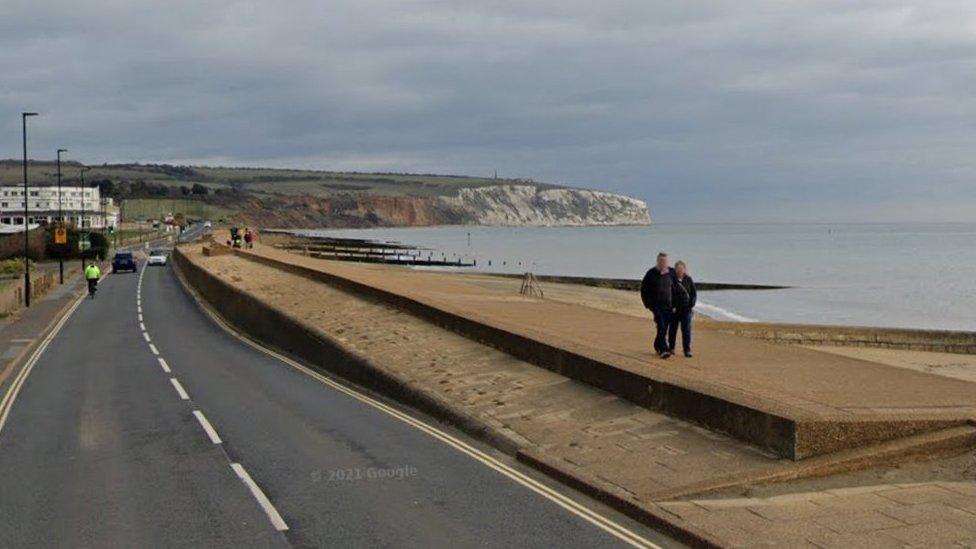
(165, 430)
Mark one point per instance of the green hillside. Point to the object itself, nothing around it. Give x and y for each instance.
(267, 197)
(144, 180)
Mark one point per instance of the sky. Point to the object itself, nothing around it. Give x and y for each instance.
(710, 111)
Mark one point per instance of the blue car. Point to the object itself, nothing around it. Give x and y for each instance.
(123, 261)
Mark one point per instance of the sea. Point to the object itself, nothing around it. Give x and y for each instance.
(909, 275)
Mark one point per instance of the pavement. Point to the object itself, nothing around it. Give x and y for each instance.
(20, 331)
(143, 423)
(928, 514)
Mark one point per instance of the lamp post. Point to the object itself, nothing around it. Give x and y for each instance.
(27, 293)
(60, 220)
(118, 224)
(81, 220)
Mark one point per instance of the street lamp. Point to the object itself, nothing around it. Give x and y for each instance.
(60, 219)
(118, 224)
(81, 220)
(27, 293)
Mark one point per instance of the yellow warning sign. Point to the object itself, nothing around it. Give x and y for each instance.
(60, 235)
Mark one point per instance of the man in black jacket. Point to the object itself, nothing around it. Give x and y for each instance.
(656, 292)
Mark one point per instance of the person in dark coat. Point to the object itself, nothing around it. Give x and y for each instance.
(656, 294)
(683, 298)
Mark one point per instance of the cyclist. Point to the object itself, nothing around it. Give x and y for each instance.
(92, 274)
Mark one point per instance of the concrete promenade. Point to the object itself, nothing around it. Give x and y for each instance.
(815, 402)
(599, 441)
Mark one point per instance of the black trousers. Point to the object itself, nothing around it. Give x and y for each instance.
(92, 284)
(680, 319)
(662, 321)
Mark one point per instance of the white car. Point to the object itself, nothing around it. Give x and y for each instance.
(156, 257)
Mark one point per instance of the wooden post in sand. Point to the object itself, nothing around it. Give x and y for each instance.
(530, 286)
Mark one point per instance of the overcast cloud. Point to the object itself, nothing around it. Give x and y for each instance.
(740, 111)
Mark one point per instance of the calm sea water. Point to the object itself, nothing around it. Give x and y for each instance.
(904, 275)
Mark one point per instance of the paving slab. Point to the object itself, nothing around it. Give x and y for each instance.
(864, 517)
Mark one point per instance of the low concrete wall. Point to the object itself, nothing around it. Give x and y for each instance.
(791, 437)
(12, 293)
(944, 341)
(276, 329)
(763, 428)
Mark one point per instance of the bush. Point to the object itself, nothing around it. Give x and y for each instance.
(99, 245)
(12, 266)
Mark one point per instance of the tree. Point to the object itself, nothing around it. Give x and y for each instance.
(184, 190)
(200, 189)
(99, 245)
(106, 187)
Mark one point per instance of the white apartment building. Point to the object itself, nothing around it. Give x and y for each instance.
(43, 206)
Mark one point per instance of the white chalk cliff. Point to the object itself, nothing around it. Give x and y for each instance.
(539, 206)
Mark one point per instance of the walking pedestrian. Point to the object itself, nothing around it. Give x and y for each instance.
(656, 294)
(684, 298)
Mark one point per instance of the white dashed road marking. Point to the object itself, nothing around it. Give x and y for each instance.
(179, 388)
(211, 432)
(263, 501)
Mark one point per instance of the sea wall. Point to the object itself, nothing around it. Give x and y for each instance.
(279, 330)
(249, 314)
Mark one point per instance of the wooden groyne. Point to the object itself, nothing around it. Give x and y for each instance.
(370, 251)
(634, 284)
